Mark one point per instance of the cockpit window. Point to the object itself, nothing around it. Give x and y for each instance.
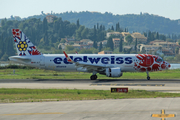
(159, 60)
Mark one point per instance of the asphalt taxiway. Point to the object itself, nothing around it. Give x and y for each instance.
(123, 109)
(163, 85)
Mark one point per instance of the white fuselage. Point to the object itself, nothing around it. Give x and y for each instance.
(59, 62)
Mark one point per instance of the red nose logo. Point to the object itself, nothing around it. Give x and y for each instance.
(169, 65)
(163, 66)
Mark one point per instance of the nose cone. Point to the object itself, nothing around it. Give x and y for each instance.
(165, 65)
(169, 66)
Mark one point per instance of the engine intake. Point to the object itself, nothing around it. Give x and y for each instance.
(113, 72)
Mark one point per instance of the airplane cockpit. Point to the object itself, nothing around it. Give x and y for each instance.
(159, 60)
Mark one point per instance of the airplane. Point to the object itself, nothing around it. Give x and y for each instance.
(111, 65)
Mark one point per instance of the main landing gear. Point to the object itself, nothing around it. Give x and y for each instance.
(93, 77)
(148, 78)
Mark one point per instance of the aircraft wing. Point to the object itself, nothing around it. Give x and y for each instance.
(89, 67)
(92, 67)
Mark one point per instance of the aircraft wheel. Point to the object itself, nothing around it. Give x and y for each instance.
(148, 78)
(93, 77)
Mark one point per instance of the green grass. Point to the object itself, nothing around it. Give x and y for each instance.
(49, 74)
(39, 95)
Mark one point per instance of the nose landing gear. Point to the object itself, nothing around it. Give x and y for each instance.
(148, 78)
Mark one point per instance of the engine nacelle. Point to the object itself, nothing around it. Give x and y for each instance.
(113, 72)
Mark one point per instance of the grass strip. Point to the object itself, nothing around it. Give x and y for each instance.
(10, 95)
(49, 74)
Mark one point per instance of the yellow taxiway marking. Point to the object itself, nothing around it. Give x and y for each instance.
(33, 113)
(163, 115)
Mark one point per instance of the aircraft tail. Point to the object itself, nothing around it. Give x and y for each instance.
(23, 45)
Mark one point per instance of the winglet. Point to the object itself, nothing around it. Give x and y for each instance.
(68, 58)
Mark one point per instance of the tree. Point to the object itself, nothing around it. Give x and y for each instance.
(110, 43)
(1, 46)
(84, 33)
(100, 46)
(45, 26)
(95, 44)
(157, 35)
(78, 32)
(4, 57)
(162, 37)
(69, 48)
(62, 40)
(120, 45)
(94, 33)
(135, 47)
(129, 39)
(45, 39)
(97, 25)
(77, 23)
(117, 27)
(177, 50)
(112, 28)
(2, 22)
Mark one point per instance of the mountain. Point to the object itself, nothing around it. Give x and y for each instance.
(137, 23)
(140, 23)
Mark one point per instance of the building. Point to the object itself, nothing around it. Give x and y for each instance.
(87, 46)
(165, 44)
(168, 53)
(116, 42)
(50, 18)
(124, 34)
(105, 52)
(127, 47)
(86, 42)
(118, 34)
(152, 42)
(104, 43)
(62, 45)
(70, 40)
(150, 48)
(140, 38)
(77, 46)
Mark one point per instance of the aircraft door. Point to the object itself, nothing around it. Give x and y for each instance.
(42, 62)
(148, 60)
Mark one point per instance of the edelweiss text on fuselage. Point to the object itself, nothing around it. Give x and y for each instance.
(103, 60)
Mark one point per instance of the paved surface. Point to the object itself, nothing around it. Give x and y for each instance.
(162, 85)
(122, 109)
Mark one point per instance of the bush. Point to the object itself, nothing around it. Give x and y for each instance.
(16, 67)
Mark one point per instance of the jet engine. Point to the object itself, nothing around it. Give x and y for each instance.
(113, 72)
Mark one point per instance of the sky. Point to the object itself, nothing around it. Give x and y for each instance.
(24, 8)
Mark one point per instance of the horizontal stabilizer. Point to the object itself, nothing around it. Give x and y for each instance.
(20, 59)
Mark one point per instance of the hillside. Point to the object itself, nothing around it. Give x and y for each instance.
(140, 23)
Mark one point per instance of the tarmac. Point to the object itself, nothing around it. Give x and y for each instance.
(112, 109)
(120, 109)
